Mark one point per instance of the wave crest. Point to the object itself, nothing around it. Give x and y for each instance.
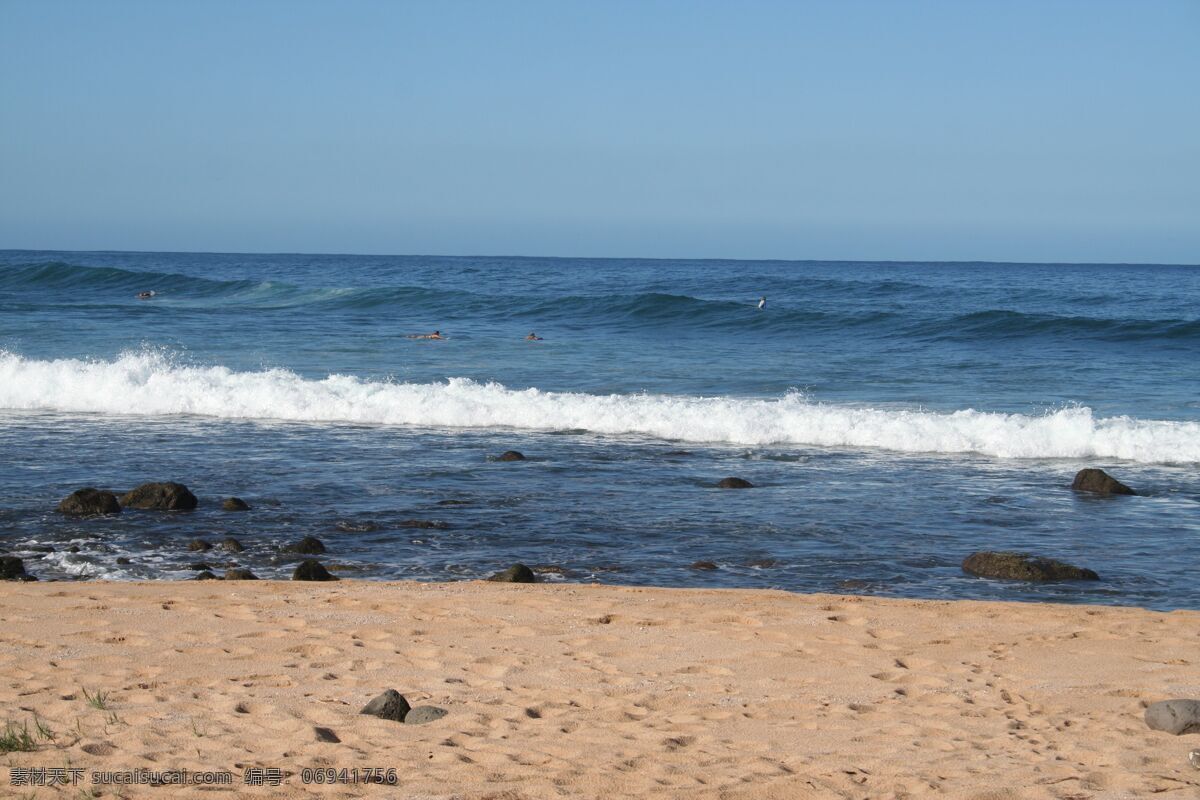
(149, 383)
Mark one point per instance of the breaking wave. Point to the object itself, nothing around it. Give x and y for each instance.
(149, 383)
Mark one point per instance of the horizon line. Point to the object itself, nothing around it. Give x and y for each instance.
(609, 258)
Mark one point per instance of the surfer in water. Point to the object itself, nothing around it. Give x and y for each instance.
(762, 302)
(533, 337)
(145, 295)
(434, 335)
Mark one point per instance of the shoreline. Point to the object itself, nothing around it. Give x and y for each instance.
(594, 690)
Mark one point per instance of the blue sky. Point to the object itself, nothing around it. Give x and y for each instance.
(1049, 130)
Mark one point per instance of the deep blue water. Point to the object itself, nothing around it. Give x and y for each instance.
(893, 416)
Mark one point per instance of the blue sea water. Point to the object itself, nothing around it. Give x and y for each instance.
(894, 417)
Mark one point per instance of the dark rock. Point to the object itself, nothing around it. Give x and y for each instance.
(389, 705)
(206, 576)
(73, 548)
(89, 502)
(199, 566)
(1100, 482)
(240, 575)
(326, 735)
(309, 546)
(234, 504)
(510, 455)
(160, 497)
(123, 560)
(703, 565)
(1023, 567)
(13, 569)
(1174, 716)
(199, 545)
(454, 502)
(423, 714)
(232, 545)
(734, 483)
(517, 573)
(311, 570)
(429, 524)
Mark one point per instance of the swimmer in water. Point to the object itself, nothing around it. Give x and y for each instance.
(533, 337)
(434, 335)
(145, 295)
(762, 302)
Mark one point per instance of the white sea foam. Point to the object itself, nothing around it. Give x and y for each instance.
(146, 383)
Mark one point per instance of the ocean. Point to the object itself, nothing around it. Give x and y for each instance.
(893, 417)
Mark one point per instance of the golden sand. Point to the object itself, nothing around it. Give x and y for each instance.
(567, 691)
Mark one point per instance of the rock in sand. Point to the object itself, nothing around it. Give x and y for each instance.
(389, 705)
(1174, 716)
(423, 714)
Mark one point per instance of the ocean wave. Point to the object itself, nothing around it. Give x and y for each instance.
(884, 309)
(1006, 323)
(150, 383)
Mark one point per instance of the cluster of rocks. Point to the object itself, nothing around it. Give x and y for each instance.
(170, 496)
(391, 705)
(165, 496)
(1010, 565)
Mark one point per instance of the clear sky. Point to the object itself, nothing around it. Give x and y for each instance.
(1009, 130)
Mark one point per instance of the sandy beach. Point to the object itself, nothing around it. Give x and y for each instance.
(592, 691)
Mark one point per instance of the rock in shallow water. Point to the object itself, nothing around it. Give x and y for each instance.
(89, 502)
(1174, 716)
(1023, 567)
(511, 455)
(734, 483)
(166, 496)
(1099, 482)
(238, 574)
(312, 570)
(389, 705)
(517, 573)
(232, 545)
(13, 569)
(199, 545)
(309, 546)
(234, 504)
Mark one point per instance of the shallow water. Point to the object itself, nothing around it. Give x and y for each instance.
(894, 418)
